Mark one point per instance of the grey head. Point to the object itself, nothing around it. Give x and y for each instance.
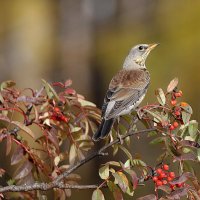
(137, 56)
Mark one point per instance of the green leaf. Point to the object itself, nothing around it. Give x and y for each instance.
(98, 195)
(121, 180)
(7, 84)
(152, 133)
(104, 172)
(198, 154)
(49, 90)
(157, 140)
(160, 96)
(154, 115)
(72, 154)
(114, 163)
(126, 152)
(185, 117)
(193, 128)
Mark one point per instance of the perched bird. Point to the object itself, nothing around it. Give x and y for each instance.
(126, 89)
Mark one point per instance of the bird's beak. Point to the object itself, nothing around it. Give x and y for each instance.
(152, 46)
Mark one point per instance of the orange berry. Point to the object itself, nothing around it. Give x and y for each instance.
(166, 167)
(184, 104)
(173, 102)
(162, 175)
(175, 124)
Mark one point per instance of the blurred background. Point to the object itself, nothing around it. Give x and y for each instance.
(87, 41)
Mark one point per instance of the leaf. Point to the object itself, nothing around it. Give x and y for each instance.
(72, 154)
(84, 102)
(151, 134)
(157, 140)
(114, 163)
(126, 152)
(24, 128)
(172, 85)
(165, 188)
(7, 84)
(121, 180)
(188, 156)
(160, 96)
(181, 179)
(192, 128)
(189, 143)
(115, 190)
(97, 195)
(185, 117)
(154, 115)
(52, 137)
(8, 144)
(104, 172)
(178, 193)
(23, 170)
(17, 156)
(148, 197)
(49, 90)
(133, 176)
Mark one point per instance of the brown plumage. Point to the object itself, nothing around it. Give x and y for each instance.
(126, 89)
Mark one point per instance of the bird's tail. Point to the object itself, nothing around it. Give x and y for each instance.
(103, 129)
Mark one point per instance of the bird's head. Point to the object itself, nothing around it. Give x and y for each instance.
(137, 56)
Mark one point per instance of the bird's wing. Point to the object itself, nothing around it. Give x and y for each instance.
(125, 89)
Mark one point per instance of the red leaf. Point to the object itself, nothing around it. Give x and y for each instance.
(178, 193)
(68, 83)
(181, 179)
(70, 91)
(17, 155)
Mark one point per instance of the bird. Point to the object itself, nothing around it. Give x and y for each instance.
(126, 90)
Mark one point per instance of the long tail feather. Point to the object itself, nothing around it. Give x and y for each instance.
(103, 129)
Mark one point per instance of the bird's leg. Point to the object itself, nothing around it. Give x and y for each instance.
(134, 119)
(118, 134)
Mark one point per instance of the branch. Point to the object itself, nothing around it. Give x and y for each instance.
(57, 183)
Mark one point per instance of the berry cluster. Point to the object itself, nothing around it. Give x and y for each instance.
(57, 115)
(174, 96)
(163, 177)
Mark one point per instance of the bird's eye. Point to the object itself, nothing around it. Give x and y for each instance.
(141, 48)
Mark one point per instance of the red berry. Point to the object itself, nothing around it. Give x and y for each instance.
(177, 113)
(159, 183)
(172, 175)
(175, 124)
(173, 102)
(56, 109)
(159, 171)
(171, 128)
(155, 178)
(169, 179)
(164, 182)
(166, 167)
(162, 175)
(178, 94)
(179, 185)
(172, 187)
